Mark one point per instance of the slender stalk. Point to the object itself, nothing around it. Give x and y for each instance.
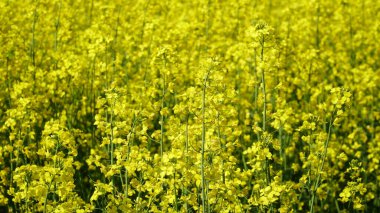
(320, 169)
(162, 119)
(337, 206)
(27, 198)
(265, 99)
(56, 25)
(317, 39)
(264, 106)
(203, 143)
(263, 85)
(256, 92)
(208, 204)
(32, 47)
(138, 199)
(47, 193)
(127, 158)
(185, 190)
(187, 139)
(9, 82)
(113, 50)
(221, 146)
(126, 183)
(111, 144)
(91, 11)
(175, 192)
(267, 166)
(11, 160)
(32, 42)
(282, 148)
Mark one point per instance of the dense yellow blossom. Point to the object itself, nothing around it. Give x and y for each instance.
(189, 106)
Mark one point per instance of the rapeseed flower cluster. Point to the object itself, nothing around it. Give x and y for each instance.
(189, 106)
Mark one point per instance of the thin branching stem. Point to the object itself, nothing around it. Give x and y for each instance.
(204, 142)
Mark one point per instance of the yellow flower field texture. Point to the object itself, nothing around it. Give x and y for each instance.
(189, 106)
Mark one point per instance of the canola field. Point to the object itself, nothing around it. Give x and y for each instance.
(190, 106)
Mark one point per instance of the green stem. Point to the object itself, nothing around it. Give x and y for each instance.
(112, 145)
(320, 169)
(162, 118)
(263, 84)
(56, 25)
(185, 190)
(264, 107)
(32, 47)
(47, 193)
(222, 147)
(203, 142)
(317, 39)
(267, 164)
